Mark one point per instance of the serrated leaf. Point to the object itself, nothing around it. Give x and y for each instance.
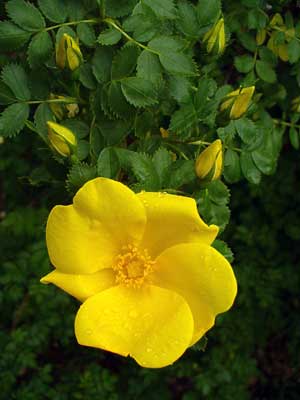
(86, 34)
(246, 129)
(162, 161)
(232, 168)
(187, 20)
(6, 95)
(265, 71)
(213, 213)
(54, 10)
(86, 76)
(218, 192)
(78, 127)
(39, 49)
(41, 116)
(139, 92)
(178, 63)
(265, 156)
(79, 174)
(15, 78)
(162, 44)
(145, 31)
(182, 173)
(244, 63)
(124, 62)
(224, 249)
(82, 150)
(117, 102)
(148, 67)
(25, 14)
(119, 8)
(13, 119)
(185, 121)
(108, 163)
(145, 171)
(114, 131)
(208, 11)
(162, 8)
(11, 36)
(109, 37)
(144, 123)
(101, 64)
(180, 87)
(249, 169)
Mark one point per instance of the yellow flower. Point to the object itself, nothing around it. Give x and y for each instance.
(61, 138)
(164, 132)
(238, 101)
(68, 53)
(215, 37)
(209, 163)
(143, 266)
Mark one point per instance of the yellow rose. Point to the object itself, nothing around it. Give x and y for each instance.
(61, 138)
(143, 266)
(68, 53)
(215, 37)
(209, 163)
(238, 101)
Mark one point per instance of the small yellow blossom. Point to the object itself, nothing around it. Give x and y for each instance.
(68, 53)
(209, 163)
(164, 133)
(58, 108)
(296, 104)
(143, 267)
(215, 37)
(61, 139)
(238, 101)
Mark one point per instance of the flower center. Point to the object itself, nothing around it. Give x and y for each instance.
(133, 266)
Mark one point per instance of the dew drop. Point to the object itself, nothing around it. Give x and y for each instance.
(148, 350)
(88, 332)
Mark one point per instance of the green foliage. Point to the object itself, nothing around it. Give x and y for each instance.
(145, 66)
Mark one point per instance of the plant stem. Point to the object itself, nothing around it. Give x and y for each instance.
(86, 21)
(69, 100)
(285, 123)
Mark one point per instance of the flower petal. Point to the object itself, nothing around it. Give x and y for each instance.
(202, 276)
(153, 325)
(81, 286)
(172, 220)
(77, 244)
(115, 206)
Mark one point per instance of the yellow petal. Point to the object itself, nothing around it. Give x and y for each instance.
(202, 276)
(81, 286)
(171, 220)
(77, 244)
(242, 102)
(206, 161)
(73, 59)
(283, 52)
(151, 324)
(115, 206)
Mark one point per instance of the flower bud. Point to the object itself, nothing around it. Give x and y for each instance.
(261, 37)
(68, 53)
(280, 50)
(61, 139)
(296, 104)
(164, 133)
(215, 37)
(238, 102)
(58, 109)
(209, 163)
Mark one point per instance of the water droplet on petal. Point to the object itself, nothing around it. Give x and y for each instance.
(148, 350)
(88, 332)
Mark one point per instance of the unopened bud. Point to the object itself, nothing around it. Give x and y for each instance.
(296, 104)
(261, 37)
(68, 53)
(61, 139)
(58, 108)
(280, 50)
(238, 102)
(215, 37)
(209, 163)
(164, 133)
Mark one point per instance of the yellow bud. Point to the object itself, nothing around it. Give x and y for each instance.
(68, 53)
(276, 20)
(58, 109)
(73, 110)
(261, 37)
(61, 139)
(215, 37)
(209, 163)
(238, 101)
(296, 104)
(164, 133)
(280, 50)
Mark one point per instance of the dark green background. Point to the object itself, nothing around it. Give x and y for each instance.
(252, 352)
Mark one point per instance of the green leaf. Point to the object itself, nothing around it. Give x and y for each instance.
(265, 71)
(124, 62)
(144, 123)
(162, 8)
(139, 92)
(145, 171)
(185, 121)
(54, 10)
(117, 102)
(86, 34)
(119, 8)
(39, 49)
(79, 174)
(13, 119)
(244, 63)
(180, 87)
(109, 37)
(148, 67)
(178, 63)
(11, 36)
(232, 168)
(15, 78)
(108, 163)
(78, 127)
(265, 156)
(249, 169)
(208, 11)
(114, 131)
(224, 249)
(25, 14)
(182, 172)
(6, 95)
(162, 161)
(246, 129)
(41, 116)
(293, 48)
(86, 76)
(218, 192)
(142, 32)
(248, 41)
(213, 213)
(187, 20)
(83, 149)
(101, 64)
(162, 44)
(294, 138)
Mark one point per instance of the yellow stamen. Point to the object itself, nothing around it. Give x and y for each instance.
(133, 266)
